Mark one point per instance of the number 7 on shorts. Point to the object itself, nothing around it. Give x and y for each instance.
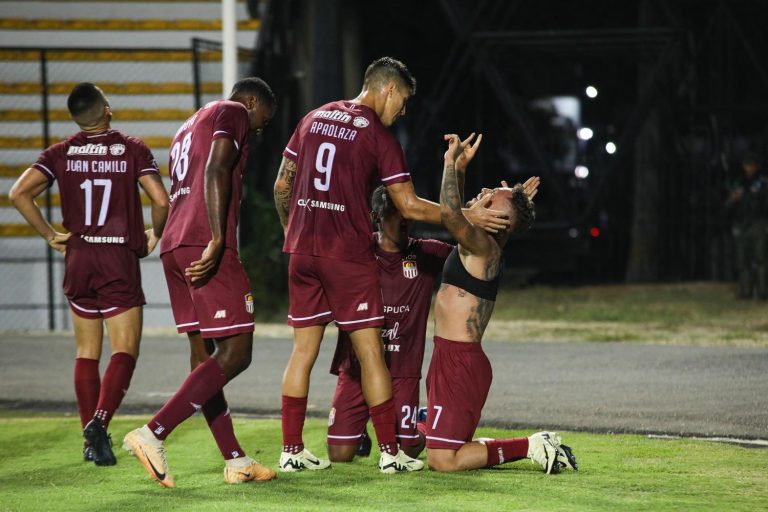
(438, 410)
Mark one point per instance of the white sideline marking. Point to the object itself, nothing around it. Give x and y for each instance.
(754, 442)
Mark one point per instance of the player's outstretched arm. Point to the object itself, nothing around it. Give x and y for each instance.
(411, 206)
(23, 193)
(218, 191)
(158, 198)
(284, 190)
(472, 238)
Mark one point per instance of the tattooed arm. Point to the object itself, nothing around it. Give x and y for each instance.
(471, 238)
(284, 190)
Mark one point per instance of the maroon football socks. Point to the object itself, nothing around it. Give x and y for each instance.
(117, 378)
(506, 450)
(87, 388)
(293, 413)
(200, 386)
(216, 412)
(384, 420)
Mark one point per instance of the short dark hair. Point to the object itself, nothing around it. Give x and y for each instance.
(524, 208)
(255, 86)
(381, 204)
(385, 69)
(86, 102)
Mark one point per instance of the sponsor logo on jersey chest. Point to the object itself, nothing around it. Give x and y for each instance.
(88, 149)
(410, 270)
(333, 115)
(308, 204)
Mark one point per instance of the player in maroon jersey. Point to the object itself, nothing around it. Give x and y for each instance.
(460, 373)
(336, 157)
(97, 170)
(407, 271)
(210, 293)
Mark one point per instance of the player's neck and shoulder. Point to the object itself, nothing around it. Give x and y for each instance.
(217, 106)
(97, 139)
(335, 110)
(484, 264)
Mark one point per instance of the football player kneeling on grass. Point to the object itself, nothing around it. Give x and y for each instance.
(460, 373)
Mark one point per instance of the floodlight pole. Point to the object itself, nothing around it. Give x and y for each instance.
(229, 45)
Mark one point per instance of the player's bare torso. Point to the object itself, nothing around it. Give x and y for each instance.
(460, 315)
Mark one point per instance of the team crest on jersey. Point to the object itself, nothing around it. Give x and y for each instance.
(117, 149)
(331, 416)
(249, 302)
(410, 270)
(360, 122)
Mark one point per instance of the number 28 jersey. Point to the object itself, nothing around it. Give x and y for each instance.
(188, 218)
(98, 184)
(342, 153)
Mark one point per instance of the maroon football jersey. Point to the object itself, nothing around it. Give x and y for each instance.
(98, 183)
(188, 218)
(407, 281)
(342, 153)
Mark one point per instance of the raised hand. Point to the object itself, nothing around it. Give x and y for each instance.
(531, 186)
(469, 152)
(456, 146)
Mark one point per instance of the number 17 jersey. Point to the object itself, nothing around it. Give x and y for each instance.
(98, 175)
(342, 153)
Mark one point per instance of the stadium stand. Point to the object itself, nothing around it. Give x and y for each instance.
(141, 54)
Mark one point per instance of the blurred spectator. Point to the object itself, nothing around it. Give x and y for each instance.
(748, 205)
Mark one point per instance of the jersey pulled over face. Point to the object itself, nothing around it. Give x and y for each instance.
(407, 281)
(342, 153)
(98, 183)
(187, 218)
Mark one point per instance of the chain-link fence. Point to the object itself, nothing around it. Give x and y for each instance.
(151, 91)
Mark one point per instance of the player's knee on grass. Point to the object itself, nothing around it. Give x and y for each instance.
(342, 452)
(443, 461)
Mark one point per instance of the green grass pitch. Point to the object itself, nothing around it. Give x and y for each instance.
(41, 469)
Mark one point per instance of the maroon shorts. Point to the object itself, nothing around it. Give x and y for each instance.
(324, 289)
(101, 280)
(349, 413)
(457, 385)
(221, 307)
